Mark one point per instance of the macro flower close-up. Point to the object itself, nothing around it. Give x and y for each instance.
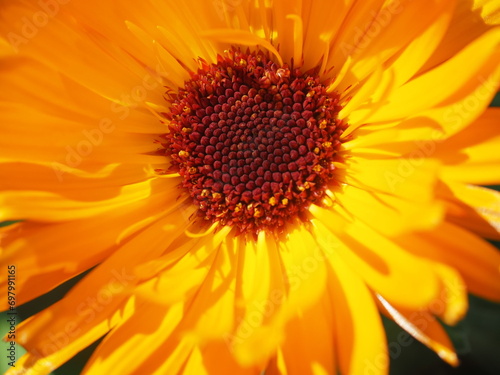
(245, 186)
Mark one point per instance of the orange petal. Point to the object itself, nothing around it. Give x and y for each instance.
(473, 207)
(297, 281)
(422, 93)
(310, 333)
(142, 334)
(470, 20)
(385, 266)
(96, 303)
(25, 245)
(422, 326)
(376, 32)
(215, 358)
(477, 261)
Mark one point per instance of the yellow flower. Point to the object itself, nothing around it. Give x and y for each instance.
(253, 181)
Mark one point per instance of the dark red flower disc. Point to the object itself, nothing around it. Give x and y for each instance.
(254, 142)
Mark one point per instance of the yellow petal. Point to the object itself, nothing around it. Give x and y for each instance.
(444, 82)
(412, 178)
(355, 314)
(470, 20)
(296, 281)
(453, 298)
(241, 37)
(387, 267)
(387, 213)
(51, 207)
(471, 156)
(26, 246)
(382, 30)
(421, 47)
(143, 342)
(473, 207)
(451, 245)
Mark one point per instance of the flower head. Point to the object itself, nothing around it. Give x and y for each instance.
(251, 182)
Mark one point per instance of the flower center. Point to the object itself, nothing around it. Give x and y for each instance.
(254, 142)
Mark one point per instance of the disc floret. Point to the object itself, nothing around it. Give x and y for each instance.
(255, 142)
